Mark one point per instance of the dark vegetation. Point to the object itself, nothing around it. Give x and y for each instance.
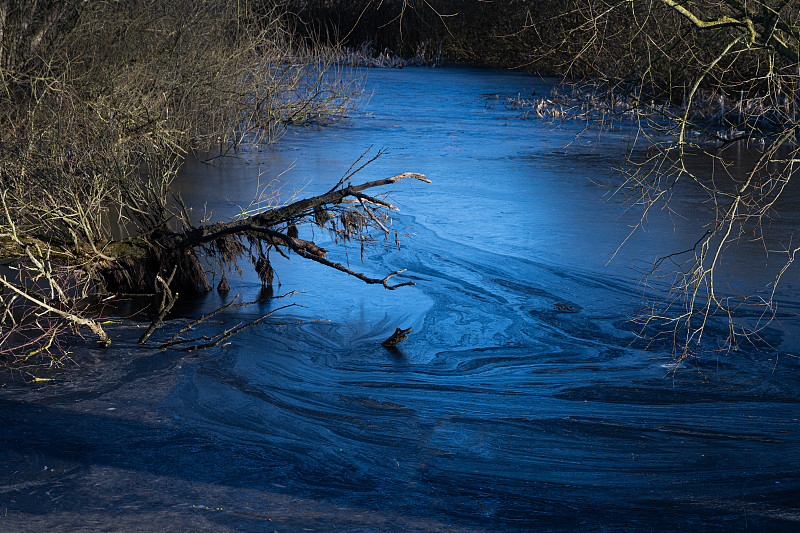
(478, 33)
(100, 102)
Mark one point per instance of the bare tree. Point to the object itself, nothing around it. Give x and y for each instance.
(698, 77)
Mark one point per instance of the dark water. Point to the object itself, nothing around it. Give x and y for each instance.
(519, 402)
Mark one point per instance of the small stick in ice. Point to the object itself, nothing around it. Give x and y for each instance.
(397, 337)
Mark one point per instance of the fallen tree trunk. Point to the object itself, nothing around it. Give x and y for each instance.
(138, 264)
(270, 229)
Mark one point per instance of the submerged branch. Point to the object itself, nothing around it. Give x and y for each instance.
(168, 299)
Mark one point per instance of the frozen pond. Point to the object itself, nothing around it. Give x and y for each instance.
(519, 401)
